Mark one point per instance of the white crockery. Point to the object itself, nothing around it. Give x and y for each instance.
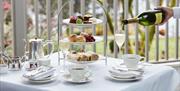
(79, 73)
(41, 81)
(44, 61)
(124, 74)
(68, 78)
(131, 60)
(40, 73)
(124, 80)
(97, 38)
(3, 68)
(98, 21)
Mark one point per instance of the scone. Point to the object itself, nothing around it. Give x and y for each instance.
(80, 39)
(72, 38)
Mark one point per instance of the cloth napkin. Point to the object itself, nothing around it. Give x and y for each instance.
(124, 74)
(40, 73)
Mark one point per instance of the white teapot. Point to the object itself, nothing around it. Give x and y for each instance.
(35, 48)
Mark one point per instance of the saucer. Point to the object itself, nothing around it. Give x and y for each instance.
(140, 67)
(124, 79)
(67, 77)
(45, 80)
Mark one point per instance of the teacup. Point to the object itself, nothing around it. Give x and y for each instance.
(79, 73)
(31, 65)
(44, 62)
(131, 60)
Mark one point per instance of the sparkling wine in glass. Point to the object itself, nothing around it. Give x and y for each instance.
(119, 38)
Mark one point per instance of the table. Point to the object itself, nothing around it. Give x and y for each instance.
(156, 78)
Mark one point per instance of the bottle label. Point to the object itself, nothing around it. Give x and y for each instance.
(158, 18)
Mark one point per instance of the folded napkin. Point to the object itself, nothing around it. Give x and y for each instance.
(124, 74)
(40, 73)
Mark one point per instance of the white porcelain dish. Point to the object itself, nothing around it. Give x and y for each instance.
(45, 80)
(67, 78)
(98, 21)
(97, 40)
(124, 79)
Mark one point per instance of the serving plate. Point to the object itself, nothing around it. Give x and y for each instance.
(81, 62)
(66, 21)
(97, 40)
(45, 80)
(124, 79)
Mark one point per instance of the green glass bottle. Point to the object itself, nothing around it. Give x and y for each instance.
(147, 18)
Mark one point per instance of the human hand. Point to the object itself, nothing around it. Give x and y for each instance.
(168, 12)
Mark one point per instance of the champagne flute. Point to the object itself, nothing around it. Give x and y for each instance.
(64, 48)
(119, 38)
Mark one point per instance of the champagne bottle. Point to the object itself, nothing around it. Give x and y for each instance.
(147, 18)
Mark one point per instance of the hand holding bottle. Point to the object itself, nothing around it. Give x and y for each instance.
(154, 17)
(147, 18)
(168, 13)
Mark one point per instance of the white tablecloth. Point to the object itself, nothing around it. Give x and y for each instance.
(156, 78)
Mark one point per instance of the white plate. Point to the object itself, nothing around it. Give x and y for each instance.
(81, 62)
(85, 62)
(68, 78)
(97, 39)
(125, 74)
(46, 80)
(66, 21)
(124, 79)
(139, 68)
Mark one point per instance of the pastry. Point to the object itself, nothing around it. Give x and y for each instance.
(80, 17)
(89, 56)
(87, 17)
(80, 39)
(94, 56)
(88, 37)
(87, 22)
(72, 38)
(83, 37)
(83, 57)
(79, 21)
(73, 19)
